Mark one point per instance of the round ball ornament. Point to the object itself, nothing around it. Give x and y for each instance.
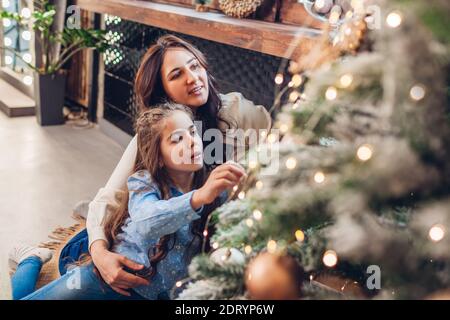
(274, 277)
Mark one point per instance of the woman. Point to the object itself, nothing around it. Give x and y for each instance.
(174, 70)
(160, 223)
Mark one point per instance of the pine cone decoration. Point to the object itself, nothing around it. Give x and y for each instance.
(239, 8)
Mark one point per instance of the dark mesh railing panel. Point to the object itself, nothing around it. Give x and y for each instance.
(235, 69)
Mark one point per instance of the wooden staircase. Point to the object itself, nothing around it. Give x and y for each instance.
(15, 96)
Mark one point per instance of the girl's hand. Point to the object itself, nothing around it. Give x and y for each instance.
(224, 177)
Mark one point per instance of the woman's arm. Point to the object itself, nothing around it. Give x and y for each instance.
(243, 113)
(107, 198)
(244, 123)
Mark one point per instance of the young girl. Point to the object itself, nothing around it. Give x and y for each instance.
(160, 223)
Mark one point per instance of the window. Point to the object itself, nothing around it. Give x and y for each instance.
(16, 37)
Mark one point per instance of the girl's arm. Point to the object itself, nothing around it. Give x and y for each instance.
(107, 198)
(152, 217)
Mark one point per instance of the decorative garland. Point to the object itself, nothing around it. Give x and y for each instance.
(239, 8)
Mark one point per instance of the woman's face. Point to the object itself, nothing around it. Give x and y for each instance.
(181, 145)
(184, 79)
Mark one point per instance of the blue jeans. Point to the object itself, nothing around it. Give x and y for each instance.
(80, 283)
(72, 251)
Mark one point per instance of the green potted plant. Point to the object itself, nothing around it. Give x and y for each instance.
(49, 75)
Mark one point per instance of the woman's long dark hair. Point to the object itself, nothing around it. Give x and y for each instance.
(149, 126)
(149, 89)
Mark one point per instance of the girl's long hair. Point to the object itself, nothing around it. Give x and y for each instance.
(148, 128)
(150, 91)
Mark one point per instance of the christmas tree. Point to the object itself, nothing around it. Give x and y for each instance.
(360, 205)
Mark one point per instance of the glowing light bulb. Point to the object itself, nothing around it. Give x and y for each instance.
(248, 249)
(257, 214)
(28, 80)
(26, 35)
(271, 138)
(334, 16)
(364, 152)
(284, 128)
(348, 31)
(25, 13)
(293, 96)
(215, 245)
(272, 246)
(319, 4)
(346, 80)
(319, 177)
(331, 93)
(27, 57)
(297, 80)
(417, 92)
(8, 60)
(300, 235)
(394, 19)
(436, 233)
(259, 185)
(8, 41)
(330, 258)
(291, 163)
(179, 284)
(249, 223)
(253, 164)
(279, 79)
(6, 23)
(205, 233)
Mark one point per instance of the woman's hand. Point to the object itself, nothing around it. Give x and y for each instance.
(110, 265)
(224, 177)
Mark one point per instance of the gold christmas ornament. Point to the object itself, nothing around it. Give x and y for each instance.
(439, 295)
(239, 8)
(274, 277)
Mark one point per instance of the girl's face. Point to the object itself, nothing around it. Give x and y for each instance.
(181, 145)
(184, 79)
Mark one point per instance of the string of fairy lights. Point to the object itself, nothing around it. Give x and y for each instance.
(26, 35)
(348, 34)
(364, 152)
(112, 55)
